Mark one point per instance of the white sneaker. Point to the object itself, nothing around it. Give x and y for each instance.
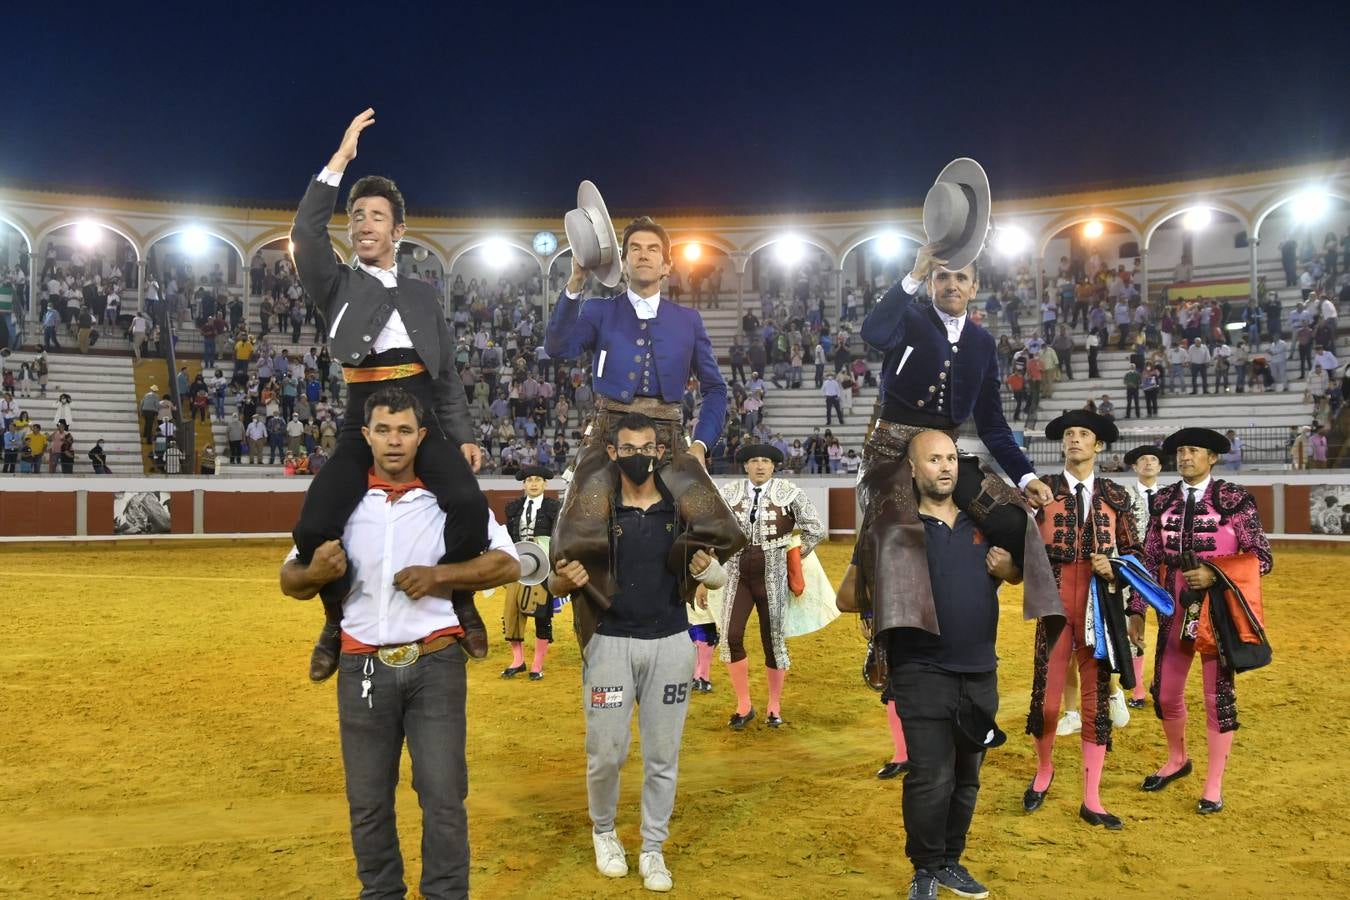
(1120, 713)
(1069, 723)
(609, 858)
(655, 875)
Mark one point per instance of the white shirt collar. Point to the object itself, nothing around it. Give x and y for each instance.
(954, 324)
(1143, 491)
(762, 488)
(1087, 482)
(384, 275)
(1199, 488)
(645, 307)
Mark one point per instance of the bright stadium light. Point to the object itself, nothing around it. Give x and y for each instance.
(889, 245)
(693, 251)
(1010, 240)
(87, 233)
(789, 250)
(496, 253)
(1196, 218)
(1310, 206)
(1093, 230)
(195, 241)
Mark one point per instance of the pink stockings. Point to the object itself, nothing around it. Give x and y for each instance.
(703, 662)
(518, 654)
(897, 733)
(1176, 665)
(1056, 669)
(739, 673)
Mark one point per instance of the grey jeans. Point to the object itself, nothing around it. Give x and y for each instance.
(423, 703)
(619, 673)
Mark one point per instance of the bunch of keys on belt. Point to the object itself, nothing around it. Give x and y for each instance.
(366, 693)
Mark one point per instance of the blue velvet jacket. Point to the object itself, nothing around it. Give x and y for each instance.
(924, 372)
(609, 329)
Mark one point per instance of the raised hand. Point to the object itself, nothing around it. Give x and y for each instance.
(346, 151)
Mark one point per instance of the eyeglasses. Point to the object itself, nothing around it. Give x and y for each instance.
(630, 450)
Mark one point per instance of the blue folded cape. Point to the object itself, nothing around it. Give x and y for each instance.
(1132, 571)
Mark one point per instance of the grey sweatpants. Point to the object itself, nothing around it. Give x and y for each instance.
(654, 675)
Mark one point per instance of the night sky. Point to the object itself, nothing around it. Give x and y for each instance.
(718, 106)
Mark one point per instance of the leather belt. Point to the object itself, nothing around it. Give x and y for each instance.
(398, 656)
(361, 375)
(652, 407)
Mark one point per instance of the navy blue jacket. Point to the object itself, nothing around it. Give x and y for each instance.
(609, 329)
(918, 356)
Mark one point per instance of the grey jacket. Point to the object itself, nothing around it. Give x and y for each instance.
(355, 307)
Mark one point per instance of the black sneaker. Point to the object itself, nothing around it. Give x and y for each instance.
(956, 879)
(924, 886)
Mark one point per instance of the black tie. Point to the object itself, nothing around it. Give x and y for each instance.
(529, 516)
(1149, 501)
(1081, 500)
(754, 507)
(1188, 520)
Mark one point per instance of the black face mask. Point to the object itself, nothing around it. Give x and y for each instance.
(638, 468)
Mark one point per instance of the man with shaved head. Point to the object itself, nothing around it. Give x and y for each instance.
(944, 680)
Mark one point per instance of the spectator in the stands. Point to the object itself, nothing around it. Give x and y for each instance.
(98, 458)
(64, 412)
(173, 459)
(257, 439)
(149, 413)
(1197, 354)
(1106, 408)
(831, 392)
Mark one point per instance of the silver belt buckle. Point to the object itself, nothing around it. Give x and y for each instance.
(400, 656)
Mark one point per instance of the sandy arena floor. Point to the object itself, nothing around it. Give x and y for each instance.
(161, 740)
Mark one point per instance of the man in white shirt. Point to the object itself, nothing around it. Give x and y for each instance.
(1197, 354)
(401, 673)
(831, 392)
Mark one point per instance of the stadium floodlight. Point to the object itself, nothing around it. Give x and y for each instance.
(692, 251)
(194, 241)
(1009, 240)
(496, 253)
(1093, 230)
(889, 245)
(87, 233)
(1310, 206)
(789, 250)
(1196, 218)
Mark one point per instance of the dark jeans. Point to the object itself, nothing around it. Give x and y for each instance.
(1199, 375)
(423, 703)
(943, 780)
(832, 403)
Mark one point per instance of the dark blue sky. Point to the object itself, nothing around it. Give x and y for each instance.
(725, 106)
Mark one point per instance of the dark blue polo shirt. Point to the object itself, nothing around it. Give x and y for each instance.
(647, 604)
(966, 597)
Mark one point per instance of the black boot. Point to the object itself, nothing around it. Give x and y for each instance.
(475, 638)
(323, 662)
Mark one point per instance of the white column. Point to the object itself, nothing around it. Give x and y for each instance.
(1252, 245)
(1143, 288)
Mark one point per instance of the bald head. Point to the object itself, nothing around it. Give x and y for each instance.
(932, 457)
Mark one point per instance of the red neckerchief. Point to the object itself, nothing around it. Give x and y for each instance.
(392, 491)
